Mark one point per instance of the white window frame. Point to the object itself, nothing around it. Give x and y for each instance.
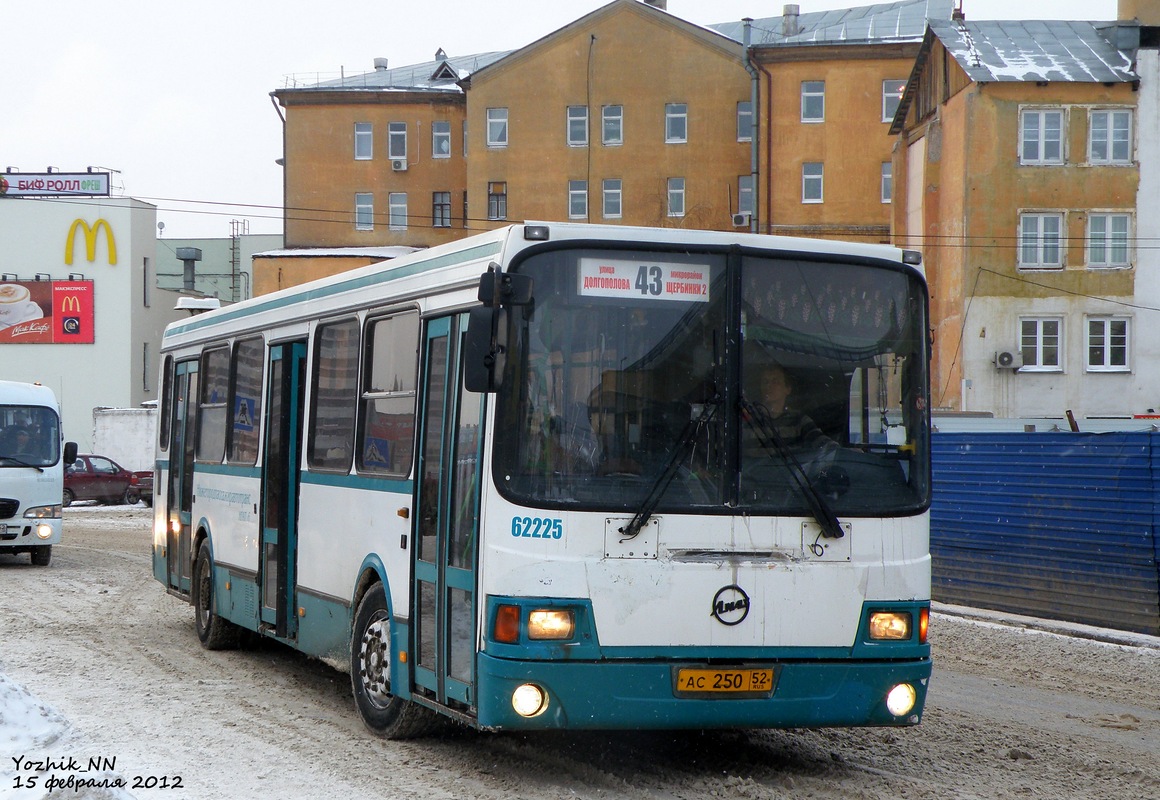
(745, 121)
(1040, 138)
(813, 92)
(577, 199)
(364, 141)
(1105, 236)
(676, 123)
(1102, 121)
(886, 187)
(612, 116)
(397, 211)
(364, 211)
(676, 197)
(497, 127)
(813, 182)
(745, 194)
(397, 140)
(441, 138)
(1041, 343)
(892, 90)
(577, 126)
(1035, 232)
(612, 191)
(1100, 332)
(497, 198)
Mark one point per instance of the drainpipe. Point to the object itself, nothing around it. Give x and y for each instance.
(754, 100)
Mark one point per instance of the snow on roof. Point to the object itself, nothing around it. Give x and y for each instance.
(384, 252)
(439, 75)
(1034, 50)
(900, 21)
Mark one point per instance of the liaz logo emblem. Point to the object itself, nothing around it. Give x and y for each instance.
(730, 605)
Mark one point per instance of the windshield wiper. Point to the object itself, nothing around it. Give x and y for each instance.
(767, 435)
(21, 463)
(676, 456)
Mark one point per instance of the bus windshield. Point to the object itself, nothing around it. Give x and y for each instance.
(717, 381)
(29, 436)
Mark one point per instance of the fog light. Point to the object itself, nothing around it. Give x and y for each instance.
(551, 624)
(44, 531)
(890, 625)
(901, 699)
(529, 700)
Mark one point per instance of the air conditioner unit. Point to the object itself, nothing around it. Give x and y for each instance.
(399, 164)
(742, 220)
(1008, 359)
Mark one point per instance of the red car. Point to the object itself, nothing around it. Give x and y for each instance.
(100, 478)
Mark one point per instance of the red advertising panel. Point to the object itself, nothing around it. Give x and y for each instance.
(46, 312)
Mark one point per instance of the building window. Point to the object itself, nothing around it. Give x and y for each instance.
(1041, 343)
(577, 199)
(363, 141)
(441, 209)
(676, 123)
(1041, 137)
(813, 101)
(676, 190)
(397, 211)
(364, 212)
(1111, 137)
(891, 97)
(441, 139)
(612, 127)
(887, 193)
(1107, 240)
(577, 126)
(497, 200)
(397, 140)
(1040, 241)
(1107, 344)
(745, 194)
(497, 127)
(745, 121)
(812, 175)
(612, 198)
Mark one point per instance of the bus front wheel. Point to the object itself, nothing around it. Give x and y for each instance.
(383, 713)
(214, 632)
(42, 555)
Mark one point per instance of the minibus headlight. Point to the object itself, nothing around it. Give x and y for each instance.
(551, 623)
(529, 700)
(43, 512)
(44, 531)
(890, 625)
(901, 699)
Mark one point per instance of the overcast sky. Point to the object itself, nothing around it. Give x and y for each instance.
(175, 96)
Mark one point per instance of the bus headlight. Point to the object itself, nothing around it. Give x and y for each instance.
(901, 699)
(551, 623)
(43, 512)
(529, 700)
(890, 625)
(44, 531)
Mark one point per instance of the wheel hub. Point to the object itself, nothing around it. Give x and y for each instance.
(374, 655)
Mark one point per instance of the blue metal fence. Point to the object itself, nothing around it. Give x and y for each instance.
(1055, 525)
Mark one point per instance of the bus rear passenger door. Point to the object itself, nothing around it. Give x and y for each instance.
(447, 499)
(280, 469)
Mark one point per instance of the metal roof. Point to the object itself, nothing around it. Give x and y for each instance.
(886, 22)
(442, 74)
(1034, 50)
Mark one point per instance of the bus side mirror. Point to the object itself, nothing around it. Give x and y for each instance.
(484, 349)
(70, 453)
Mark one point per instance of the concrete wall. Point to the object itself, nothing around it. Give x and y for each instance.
(126, 435)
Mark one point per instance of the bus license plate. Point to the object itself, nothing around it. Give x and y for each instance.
(736, 682)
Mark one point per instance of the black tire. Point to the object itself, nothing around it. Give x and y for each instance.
(42, 555)
(131, 497)
(68, 498)
(383, 713)
(213, 632)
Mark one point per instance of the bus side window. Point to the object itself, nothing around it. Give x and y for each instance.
(211, 437)
(387, 406)
(333, 395)
(245, 400)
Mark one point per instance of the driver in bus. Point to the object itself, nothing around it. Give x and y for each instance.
(778, 420)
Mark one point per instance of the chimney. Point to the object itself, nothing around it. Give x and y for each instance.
(380, 65)
(663, 5)
(789, 19)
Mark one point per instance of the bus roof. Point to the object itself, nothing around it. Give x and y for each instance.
(15, 393)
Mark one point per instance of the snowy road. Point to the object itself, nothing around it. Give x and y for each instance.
(97, 662)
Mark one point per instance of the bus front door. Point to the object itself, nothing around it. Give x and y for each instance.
(277, 563)
(179, 489)
(447, 499)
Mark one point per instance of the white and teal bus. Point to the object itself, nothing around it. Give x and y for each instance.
(528, 480)
(32, 458)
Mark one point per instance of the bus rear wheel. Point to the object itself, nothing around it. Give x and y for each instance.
(383, 713)
(214, 632)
